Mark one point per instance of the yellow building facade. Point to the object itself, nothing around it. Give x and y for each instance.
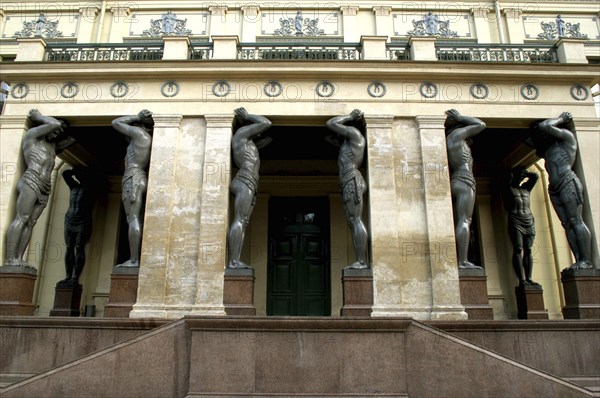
(402, 63)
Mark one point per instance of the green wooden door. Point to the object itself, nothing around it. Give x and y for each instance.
(298, 275)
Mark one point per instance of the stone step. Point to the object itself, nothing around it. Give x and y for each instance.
(591, 383)
(6, 379)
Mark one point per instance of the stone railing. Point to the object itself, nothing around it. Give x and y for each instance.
(398, 51)
(496, 53)
(200, 51)
(103, 52)
(308, 51)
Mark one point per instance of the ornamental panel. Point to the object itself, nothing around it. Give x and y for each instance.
(168, 23)
(47, 25)
(300, 23)
(551, 27)
(433, 23)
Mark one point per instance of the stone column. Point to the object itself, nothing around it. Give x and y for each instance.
(88, 18)
(385, 245)
(214, 216)
(155, 254)
(250, 18)
(31, 49)
(514, 23)
(349, 21)
(481, 17)
(120, 24)
(383, 20)
(571, 51)
(218, 20)
(441, 245)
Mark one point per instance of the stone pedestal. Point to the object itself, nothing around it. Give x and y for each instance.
(582, 293)
(473, 293)
(67, 299)
(16, 290)
(530, 302)
(123, 292)
(357, 285)
(238, 291)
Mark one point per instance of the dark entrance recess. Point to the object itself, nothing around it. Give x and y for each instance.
(298, 268)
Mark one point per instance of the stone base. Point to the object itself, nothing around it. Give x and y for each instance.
(16, 290)
(123, 292)
(238, 291)
(582, 293)
(473, 293)
(357, 292)
(530, 302)
(67, 299)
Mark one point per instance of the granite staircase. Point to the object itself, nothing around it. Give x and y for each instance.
(341, 357)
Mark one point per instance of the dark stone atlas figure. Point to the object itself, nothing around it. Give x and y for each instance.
(78, 220)
(245, 144)
(40, 146)
(521, 225)
(137, 130)
(555, 141)
(352, 184)
(459, 130)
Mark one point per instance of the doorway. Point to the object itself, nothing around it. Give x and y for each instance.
(298, 281)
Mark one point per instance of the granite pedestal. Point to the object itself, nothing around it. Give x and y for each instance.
(473, 293)
(238, 291)
(67, 299)
(16, 290)
(530, 302)
(582, 293)
(123, 292)
(357, 285)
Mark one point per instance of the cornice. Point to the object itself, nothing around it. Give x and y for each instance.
(167, 121)
(219, 121)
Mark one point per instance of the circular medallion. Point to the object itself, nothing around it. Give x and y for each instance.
(580, 92)
(530, 91)
(69, 90)
(325, 89)
(376, 89)
(170, 88)
(221, 88)
(119, 89)
(479, 90)
(19, 90)
(273, 88)
(428, 89)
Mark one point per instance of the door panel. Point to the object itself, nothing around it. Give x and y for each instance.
(298, 276)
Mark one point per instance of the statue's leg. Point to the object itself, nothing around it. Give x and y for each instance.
(527, 258)
(581, 235)
(517, 259)
(26, 199)
(561, 204)
(38, 208)
(359, 233)
(243, 205)
(463, 212)
(70, 254)
(133, 209)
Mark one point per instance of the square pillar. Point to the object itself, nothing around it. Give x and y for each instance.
(481, 18)
(155, 255)
(88, 19)
(357, 287)
(238, 291)
(373, 47)
(349, 21)
(123, 292)
(214, 216)
(514, 25)
(16, 290)
(225, 47)
(582, 293)
(445, 290)
(176, 47)
(571, 51)
(383, 20)
(33, 49)
(530, 302)
(218, 19)
(120, 23)
(422, 48)
(250, 20)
